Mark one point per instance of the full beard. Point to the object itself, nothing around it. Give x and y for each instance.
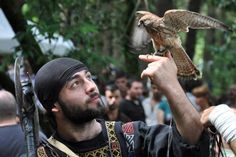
(112, 107)
(79, 116)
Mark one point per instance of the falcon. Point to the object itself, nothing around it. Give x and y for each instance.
(163, 32)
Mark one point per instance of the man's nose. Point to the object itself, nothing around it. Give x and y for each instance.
(112, 101)
(90, 86)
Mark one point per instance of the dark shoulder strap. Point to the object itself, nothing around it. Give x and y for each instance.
(47, 150)
(114, 144)
(128, 131)
(62, 147)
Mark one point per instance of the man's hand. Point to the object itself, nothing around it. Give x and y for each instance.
(205, 116)
(161, 70)
(223, 119)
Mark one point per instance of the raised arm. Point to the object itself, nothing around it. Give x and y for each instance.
(163, 72)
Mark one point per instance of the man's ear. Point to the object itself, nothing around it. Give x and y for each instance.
(56, 107)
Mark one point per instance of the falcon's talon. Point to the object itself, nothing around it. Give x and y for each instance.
(157, 53)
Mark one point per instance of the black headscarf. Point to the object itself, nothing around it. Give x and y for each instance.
(51, 78)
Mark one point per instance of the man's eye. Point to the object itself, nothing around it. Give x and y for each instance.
(75, 84)
(89, 77)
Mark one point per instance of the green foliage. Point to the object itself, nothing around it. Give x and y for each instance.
(99, 29)
(199, 50)
(219, 70)
(224, 4)
(83, 22)
(223, 68)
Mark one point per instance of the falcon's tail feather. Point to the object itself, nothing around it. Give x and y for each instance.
(186, 68)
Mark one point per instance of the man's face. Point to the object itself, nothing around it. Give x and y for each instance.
(232, 93)
(113, 99)
(202, 102)
(80, 99)
(122, 83)
(156, 92)
(136, 90)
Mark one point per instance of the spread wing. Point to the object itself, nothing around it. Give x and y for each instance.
(181, 20)
(185, 66)
(139, 39)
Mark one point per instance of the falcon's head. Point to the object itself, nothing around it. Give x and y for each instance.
(140, 14)
(142, 20)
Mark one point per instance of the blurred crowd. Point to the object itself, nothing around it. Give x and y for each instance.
(126, 98)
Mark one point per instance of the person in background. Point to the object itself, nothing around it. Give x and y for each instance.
(153, 114)
(207, 102)
(12, 138)
(121, 80)
(132, 106)
(113, 99)
(188, 86)
(165, 108)
(232, 96)
(203, 97)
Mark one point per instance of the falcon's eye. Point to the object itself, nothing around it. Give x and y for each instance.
(140, 22)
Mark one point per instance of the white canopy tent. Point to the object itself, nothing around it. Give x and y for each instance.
(57, 45)
(8, 43)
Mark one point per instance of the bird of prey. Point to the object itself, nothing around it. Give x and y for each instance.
(163, 32)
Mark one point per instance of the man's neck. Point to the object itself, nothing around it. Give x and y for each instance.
(153, 101)
(113, 114)
(76, 133)
(128, 97)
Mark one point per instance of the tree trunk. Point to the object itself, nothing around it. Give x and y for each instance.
(30, 48)
(162, 6)
(194, 5)
(209, 40)
(107, 43)
(131, 60)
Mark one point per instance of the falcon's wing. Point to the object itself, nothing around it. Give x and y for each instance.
(180, 20)
(185, 66)
(139, 39)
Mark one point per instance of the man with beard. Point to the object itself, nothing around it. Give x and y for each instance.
(65, 88)
(113, 98)
(153, 114)
(121, 80)
(131, 105)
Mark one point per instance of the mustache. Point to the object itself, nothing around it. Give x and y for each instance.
(93, 96)
(101, 98)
